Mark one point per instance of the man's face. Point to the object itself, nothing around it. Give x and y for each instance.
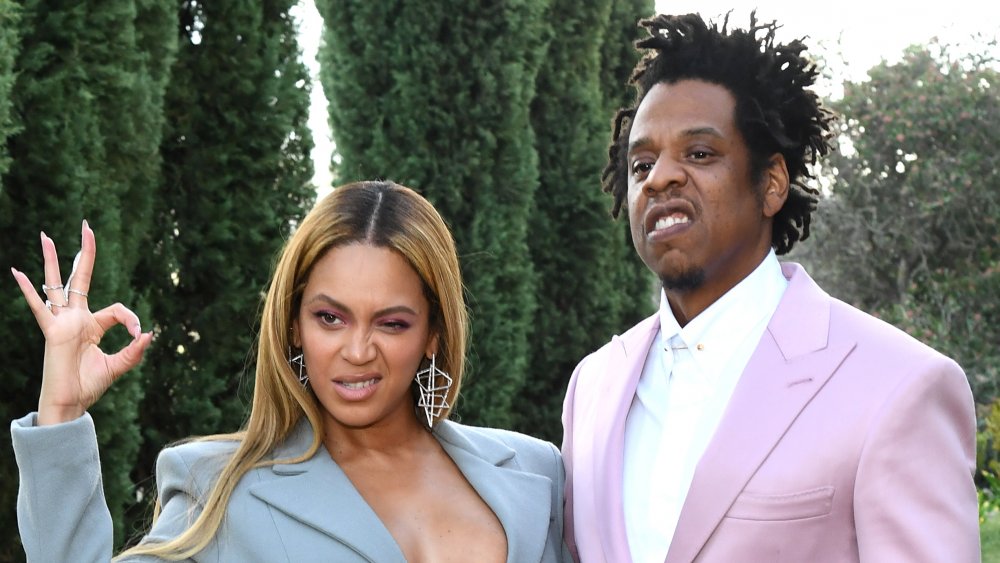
(697, 221)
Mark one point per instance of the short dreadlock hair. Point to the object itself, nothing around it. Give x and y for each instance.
(775, 112)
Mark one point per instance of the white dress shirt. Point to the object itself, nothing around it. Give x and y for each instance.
(686, 382)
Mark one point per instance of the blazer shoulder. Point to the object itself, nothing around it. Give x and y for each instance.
(635, 338)
(193, 464)
(872, 332)
(533, 454)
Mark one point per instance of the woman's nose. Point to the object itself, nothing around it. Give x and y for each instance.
(359, 348)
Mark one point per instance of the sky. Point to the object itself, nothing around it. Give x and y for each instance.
(851, 35)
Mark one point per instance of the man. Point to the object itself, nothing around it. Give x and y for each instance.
(754, 417)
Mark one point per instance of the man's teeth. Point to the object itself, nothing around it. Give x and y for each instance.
(668, 222)
(359, 384)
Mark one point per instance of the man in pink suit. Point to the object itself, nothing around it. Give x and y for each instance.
(754, 417)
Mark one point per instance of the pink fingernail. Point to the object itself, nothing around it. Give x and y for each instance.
(85, 225)
(13, 271)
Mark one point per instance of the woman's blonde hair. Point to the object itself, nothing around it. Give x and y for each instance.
(382, 214)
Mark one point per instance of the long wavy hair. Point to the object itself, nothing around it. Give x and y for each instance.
(382, 214)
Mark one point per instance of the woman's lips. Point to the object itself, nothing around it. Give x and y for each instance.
(356, 390)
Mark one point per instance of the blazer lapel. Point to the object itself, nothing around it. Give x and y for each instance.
(790, 365)
(521, 501)
(317, 493)
(626, 359)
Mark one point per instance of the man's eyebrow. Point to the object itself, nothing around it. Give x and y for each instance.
(639, 143)
(642, 142)
(698, 131)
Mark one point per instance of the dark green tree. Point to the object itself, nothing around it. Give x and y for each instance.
(236, 176)
(436, 95)
(618, 58)
(9, 45)
(912, 226)
(88, 96)
(578, 251)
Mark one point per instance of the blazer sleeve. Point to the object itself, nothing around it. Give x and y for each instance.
(62, 514)
(556, 534)
(915, 499)
(61, 511)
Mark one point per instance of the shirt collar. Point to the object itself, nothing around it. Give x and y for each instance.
(728, 320)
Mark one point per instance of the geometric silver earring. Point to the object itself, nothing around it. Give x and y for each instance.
(434, 385)
(297, 361)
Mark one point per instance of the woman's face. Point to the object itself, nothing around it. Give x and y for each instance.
(364, 327)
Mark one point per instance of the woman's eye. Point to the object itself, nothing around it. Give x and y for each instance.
(396, 325)
(328, 318)
(700, 155)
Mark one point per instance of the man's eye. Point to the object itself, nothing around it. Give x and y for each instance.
(641, 167)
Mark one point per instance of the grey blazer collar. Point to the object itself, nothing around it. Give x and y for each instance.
(521, 501)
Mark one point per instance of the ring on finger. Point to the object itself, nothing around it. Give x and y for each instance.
(49, 305)
(78, 292)
(46, 288)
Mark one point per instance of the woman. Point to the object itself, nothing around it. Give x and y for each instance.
(347, 455)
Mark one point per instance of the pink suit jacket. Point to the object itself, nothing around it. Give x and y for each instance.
(844, 440)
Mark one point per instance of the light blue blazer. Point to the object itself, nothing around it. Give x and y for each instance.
(295, 513)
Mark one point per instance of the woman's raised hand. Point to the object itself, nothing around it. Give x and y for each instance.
(76, 371)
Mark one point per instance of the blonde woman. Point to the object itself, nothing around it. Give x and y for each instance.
(348, 454)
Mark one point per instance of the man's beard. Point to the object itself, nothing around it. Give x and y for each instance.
(683, 281)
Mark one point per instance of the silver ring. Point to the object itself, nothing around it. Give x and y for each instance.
(78, 292)
(45, 288)
(49, 305)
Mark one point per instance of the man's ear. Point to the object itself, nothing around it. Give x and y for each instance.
(775, 185)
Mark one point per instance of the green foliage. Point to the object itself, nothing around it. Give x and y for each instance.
(638, 288)
(577, 250)
(957, 312)
(88, 106)
(915, 184)
(636, 284)
(236, 173)
(436, 95)
(989, 531)
(988, 448)
(9, 45)
(989, 496)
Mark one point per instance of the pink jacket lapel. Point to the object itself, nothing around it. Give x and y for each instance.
(628, 355)
(792, 363)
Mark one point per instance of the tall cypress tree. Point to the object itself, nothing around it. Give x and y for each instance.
(580, 254)
(125, 36)
(236, 178)
(637, 286)
(9, 45)
(436, 95)
(88, 105)
(570, 234)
